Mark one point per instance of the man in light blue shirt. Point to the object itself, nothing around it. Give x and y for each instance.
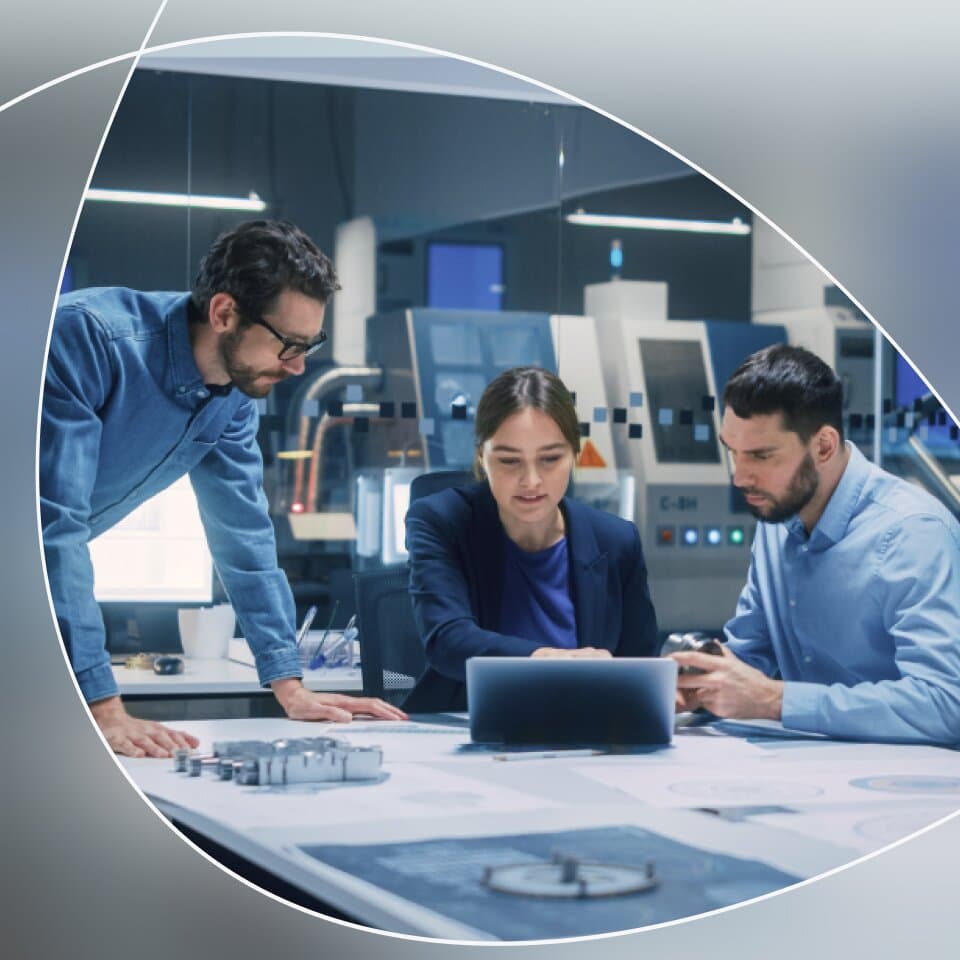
(849, 623)
(142, 388)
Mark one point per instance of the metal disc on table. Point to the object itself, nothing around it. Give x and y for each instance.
(567, 877)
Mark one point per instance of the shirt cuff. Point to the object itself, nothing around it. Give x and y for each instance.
(97, 683)
(800, 709)
(278, 665)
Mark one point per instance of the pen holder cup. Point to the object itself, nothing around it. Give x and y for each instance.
(340, 653)
(205, 632)
(328, 648)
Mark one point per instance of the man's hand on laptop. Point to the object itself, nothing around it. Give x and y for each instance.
(727, 687)
(589, 653)
(132, 737)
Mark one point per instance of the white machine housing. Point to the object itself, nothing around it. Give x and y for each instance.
(697, 546)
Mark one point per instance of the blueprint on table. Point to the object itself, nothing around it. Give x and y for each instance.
(446, 876)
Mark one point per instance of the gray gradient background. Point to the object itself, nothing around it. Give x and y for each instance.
(839, 126)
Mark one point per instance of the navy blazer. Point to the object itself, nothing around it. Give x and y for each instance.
(457, 553)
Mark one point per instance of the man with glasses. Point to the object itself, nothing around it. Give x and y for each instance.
(142, 388)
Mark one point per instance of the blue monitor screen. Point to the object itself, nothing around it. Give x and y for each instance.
(465, 276)
(909, 387)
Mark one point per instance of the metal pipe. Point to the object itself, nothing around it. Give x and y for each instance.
(937, 472)
(318, 389)
(351, 411)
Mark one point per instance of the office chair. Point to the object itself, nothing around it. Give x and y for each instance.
(391, 654)
(427, 483)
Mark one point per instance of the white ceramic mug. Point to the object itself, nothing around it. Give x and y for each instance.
(205, 632)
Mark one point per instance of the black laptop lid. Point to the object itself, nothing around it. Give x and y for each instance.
(571, 702)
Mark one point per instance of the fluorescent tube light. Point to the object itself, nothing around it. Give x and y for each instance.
(252, 202)
(736, 226)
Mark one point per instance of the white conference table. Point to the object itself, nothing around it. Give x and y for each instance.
(724, 817)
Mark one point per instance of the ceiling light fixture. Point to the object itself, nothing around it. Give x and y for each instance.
(735, 227)
(251, 202)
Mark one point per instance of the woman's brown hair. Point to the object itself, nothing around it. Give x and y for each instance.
(515, 390)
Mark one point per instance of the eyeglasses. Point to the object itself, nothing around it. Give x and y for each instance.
(294, 348)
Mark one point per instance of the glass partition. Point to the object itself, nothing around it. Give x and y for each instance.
(479, 223)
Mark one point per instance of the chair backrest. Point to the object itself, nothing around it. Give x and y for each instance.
(427, 483)
(391, 654)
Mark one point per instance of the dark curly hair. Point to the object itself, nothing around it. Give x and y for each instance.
(256, 262)
(790, 381)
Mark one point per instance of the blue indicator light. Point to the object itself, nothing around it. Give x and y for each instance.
(690, 536)
(714, 536)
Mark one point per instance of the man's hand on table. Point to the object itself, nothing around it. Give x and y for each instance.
(299, 703)
(132, 737)
(727, 687)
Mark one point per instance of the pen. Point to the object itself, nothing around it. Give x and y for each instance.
(317, 658)
(305, 626)
(547, 754)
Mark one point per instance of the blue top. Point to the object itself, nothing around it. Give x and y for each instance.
(861, 618)
(458, 551)
(536, 601)
(125, 413)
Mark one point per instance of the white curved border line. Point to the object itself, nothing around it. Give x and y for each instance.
(135, 56)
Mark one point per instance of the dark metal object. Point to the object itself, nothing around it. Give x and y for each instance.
(693, 641)
(168, 666)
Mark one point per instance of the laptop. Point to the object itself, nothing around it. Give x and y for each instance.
(526, 701)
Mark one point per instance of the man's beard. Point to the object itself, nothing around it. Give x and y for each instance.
(242, 376)
(803, 485)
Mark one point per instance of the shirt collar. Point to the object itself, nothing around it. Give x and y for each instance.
(183, 364)
(835, 518)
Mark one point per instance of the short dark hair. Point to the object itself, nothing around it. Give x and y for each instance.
(256, 262)
(515, 390)
(791, 381)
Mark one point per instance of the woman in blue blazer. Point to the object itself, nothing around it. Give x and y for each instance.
(510, 566)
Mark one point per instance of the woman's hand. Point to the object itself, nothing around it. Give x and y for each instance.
(589, 653)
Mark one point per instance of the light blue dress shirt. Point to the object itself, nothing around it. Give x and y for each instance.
(861, 618)
(125, 413)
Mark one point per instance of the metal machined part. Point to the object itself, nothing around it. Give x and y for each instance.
(363, 763)
(196, 764)
(237, 748)
(249, 772)
(284, 761)
(693, 640)
(569, 877)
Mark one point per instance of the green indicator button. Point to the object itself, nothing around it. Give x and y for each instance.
(735, 535)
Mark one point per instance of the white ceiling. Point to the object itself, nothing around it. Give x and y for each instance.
(345, 62)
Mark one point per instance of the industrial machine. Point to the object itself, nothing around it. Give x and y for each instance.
(647, 392)
(666, 376)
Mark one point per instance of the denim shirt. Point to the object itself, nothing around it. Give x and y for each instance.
(125, 413)
(862, 618)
